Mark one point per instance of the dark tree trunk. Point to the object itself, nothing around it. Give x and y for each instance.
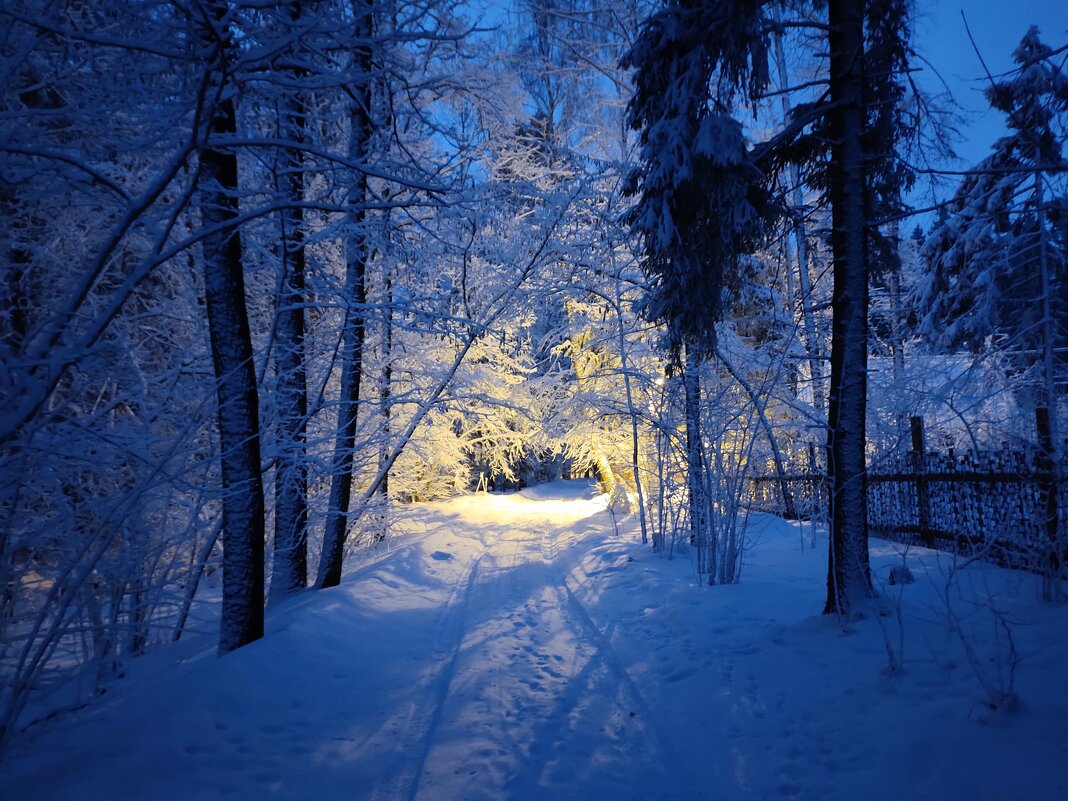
(385, 395)
(235, 380)
(695, 480)
(356, 310)
(848, 577)
(14, 299)
(290, 564)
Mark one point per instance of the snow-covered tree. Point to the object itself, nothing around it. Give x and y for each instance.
(704, 194)
(701, 199)
(997, 252)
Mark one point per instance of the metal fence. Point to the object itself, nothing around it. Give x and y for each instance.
(1000, 504)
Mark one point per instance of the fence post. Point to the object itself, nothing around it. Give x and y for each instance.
(919, 467)
(1048, 466)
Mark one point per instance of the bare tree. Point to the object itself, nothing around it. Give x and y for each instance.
(231, 347)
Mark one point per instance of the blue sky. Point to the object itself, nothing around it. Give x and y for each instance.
(997, 26)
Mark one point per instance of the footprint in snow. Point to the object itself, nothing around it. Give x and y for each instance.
(441, 556)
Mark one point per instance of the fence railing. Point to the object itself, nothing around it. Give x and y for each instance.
(1000, 504)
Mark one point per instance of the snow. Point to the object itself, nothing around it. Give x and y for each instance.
(517, 647)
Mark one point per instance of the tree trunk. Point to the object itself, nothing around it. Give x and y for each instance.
(805, 300)
(290, 563)
(634, 439)
(760, 405)
(1049, 323)
(1052, 587)
(699, 523)
(196, 572)
(385, 390)
(848, 575)
(897, 331)
(235, 382)
(355, 311)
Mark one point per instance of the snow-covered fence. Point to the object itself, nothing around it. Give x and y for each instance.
(1002, 504)
(803, 481)
(992, 501)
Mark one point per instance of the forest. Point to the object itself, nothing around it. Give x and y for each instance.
(277, 275)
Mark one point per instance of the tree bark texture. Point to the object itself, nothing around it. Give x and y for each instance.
(235, 381)
(385, 389)
(695, 483)
(355, 325)
(290, 565)
(848, 576)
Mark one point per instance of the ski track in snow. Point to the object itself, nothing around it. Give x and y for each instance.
(533, 701)
(514, 647)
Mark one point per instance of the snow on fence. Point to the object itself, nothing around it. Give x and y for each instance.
(1001, 504)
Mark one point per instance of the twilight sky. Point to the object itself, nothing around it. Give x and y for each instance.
(998, 26)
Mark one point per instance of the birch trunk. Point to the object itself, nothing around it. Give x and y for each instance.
(897, 331)
(804, 281)
(634, 439)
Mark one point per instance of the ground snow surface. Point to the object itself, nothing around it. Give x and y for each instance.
(521, 647)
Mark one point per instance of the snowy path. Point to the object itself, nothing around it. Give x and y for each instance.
(527, 699)
(460, 666)
(534, 700)
(516, 647)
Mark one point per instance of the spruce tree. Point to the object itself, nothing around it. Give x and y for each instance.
(704, 196)
(997, 253)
